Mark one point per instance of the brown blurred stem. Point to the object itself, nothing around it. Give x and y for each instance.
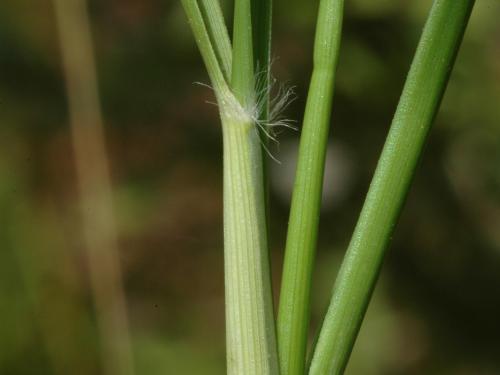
(94, 185)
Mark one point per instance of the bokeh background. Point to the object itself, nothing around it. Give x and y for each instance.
(436, 308)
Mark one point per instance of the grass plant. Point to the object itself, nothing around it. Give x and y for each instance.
(243, 99)
(418, 105)
(250, 329)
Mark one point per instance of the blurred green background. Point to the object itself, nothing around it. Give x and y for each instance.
(436, 308)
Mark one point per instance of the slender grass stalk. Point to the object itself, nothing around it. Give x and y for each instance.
(262, 30)
(250, 329)
(251, 349)
(242, 81)
(251, 343)
(417, 108)
(293, 317)
(217, 30)
(94, 185)
(207, 46)
(262, 14)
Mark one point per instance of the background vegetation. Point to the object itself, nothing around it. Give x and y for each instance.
(436, 307)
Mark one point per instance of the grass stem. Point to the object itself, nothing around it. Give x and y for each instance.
(243, 74)
(262, 14)
(219, 37)
(293, 317)
(250, 327)
(262, 30)
(419, 103)
(206, 45)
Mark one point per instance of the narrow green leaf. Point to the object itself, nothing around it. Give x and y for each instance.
(293, 317)
(242, 81)
(417, 108)
(262, 28)
(207, 50)
(219, 37)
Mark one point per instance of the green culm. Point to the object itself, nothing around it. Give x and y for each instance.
(239, 70)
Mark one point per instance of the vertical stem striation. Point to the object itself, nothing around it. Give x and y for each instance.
(251, 341)
(250, 330)
(203, 31)
(417, 108)
(219, 37)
